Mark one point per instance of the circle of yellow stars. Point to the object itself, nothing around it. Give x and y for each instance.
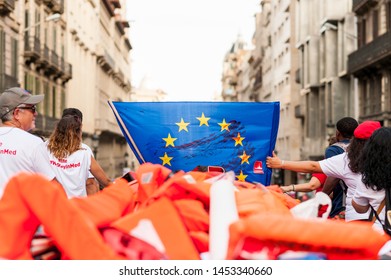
(203, 120)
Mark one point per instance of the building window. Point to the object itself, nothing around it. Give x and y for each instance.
(363, 32)
(38, 91)
(29, 82)
(63, 100)
(54, 99)
(14, 58)
(46, 100)
(54, 38)
(365, 100)
(45, 30)
(37, 27)
(375, 24)
(377, 94)
(388, 16)
(2, 52)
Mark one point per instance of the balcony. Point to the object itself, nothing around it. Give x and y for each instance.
(60, 67)
(360, 7)
(109, 5)
(67, 73)
(32, 46)
(121, 25)
(371, 56)
(43, 61)
(233, 81)
(53, 68)
(105, 60)
(57, 6)
(7, 81)
(116, 4)
(121, 77)
(127, 43)
(258, 79)
(6, 6)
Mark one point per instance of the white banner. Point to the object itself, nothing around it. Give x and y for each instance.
(291, 269)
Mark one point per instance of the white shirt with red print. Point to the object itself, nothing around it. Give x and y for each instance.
(18, 153)
(73, 171)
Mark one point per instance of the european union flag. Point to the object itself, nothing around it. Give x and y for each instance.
(183, 135)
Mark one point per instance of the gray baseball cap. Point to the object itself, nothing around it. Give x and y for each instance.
(13, 97)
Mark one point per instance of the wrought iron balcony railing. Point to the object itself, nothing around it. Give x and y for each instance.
(32, 46)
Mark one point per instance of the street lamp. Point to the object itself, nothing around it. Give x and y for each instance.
(95, 143)
(54, 17)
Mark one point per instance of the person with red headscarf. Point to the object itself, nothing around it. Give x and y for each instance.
(344, 166)
(375, 169)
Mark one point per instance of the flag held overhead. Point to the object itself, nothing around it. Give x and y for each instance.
(235, 136)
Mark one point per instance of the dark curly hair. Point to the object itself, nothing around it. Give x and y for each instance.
(354, 151)
(346, 127)
(375, 163)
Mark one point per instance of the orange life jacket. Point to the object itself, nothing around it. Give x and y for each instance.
(30, 200)
(280, 233)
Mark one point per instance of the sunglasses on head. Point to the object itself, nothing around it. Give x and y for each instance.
(32, 108)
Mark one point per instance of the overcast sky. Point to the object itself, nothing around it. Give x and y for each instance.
(180, 44)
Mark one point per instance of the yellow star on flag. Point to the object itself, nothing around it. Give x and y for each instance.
(224, 125)
(169, 140)
(166, 159)
(238, 140)
(244, 157)
(182, 125)
(241, 176)
(203, 120)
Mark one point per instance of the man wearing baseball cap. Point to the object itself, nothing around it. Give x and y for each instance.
(18, 147)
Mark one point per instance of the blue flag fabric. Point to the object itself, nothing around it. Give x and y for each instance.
(183, 135)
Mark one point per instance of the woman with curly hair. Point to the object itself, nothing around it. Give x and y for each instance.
(70, 159)
(375, 166)
(344, 166)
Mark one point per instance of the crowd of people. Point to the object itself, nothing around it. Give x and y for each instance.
(355, 173)
(364, 168)
(63, 158)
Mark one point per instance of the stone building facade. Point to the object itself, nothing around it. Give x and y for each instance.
(371, 62)
(76, 53)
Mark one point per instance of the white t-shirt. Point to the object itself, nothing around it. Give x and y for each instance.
(72, 171)
(364, 196)
(337, 167)
(18, 152)
(85, 146)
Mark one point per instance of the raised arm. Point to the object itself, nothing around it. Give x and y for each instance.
(98, 173)
(312, 185)
(298, 166)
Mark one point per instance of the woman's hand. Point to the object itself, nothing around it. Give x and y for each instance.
(274, 162)
(286, 189)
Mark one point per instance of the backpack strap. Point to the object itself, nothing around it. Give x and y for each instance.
(387, 200)
(341, 145)
(372, 217)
